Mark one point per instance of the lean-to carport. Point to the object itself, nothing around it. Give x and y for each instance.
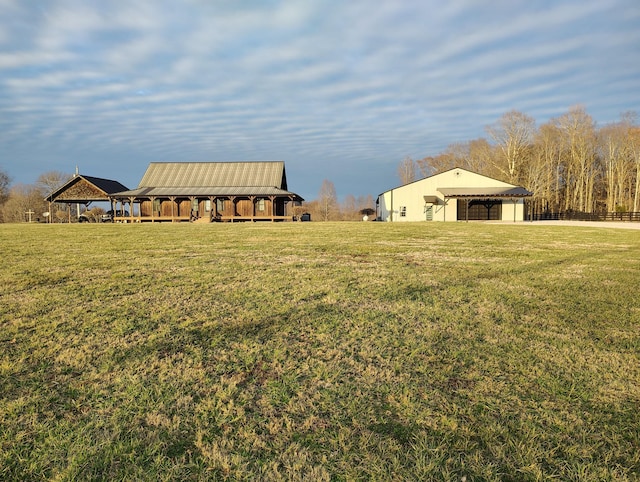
(488, 194)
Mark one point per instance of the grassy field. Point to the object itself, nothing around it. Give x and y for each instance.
(312, 351)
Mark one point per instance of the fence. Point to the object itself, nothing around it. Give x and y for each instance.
(580, 216)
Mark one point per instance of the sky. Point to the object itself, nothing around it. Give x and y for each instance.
(338, 90)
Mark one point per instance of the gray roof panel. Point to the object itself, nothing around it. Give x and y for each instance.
(211, 174)
(485, 192)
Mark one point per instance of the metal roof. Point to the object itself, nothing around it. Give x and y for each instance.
(451, 189)
(107, 185)
(484, 192)
(214, 174)
(202, 179)
(103, 188)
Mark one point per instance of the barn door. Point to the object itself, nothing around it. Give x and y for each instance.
(479, 210)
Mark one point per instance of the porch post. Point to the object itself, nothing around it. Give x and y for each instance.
(213, 212)
(191, 215)
(232, 199)
(273, 207)
(131, 201)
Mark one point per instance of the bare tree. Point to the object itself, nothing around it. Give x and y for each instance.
(616, 153)
(5, 181)
(328, 200)
(348, 209)
(50, 181)
(546, 167)
(23, 199)
(365, 202)
(634, 145)
(431, 165)
(299, 209)
(513, 134)
(407, 171)
(47, 183)
(578, 130)
(481, 156)
(476, 155)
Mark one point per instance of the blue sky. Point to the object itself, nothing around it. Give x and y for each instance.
(339, 90)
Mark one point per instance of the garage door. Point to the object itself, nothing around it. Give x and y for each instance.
(479, 210)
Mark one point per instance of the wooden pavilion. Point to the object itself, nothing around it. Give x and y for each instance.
(208, 191)
(81, 189)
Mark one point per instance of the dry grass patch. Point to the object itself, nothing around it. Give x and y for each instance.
(319, 352)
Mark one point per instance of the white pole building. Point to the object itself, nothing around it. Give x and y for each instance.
(453, 195)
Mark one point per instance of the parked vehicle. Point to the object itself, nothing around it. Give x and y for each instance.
(109, 215)
(90, 216)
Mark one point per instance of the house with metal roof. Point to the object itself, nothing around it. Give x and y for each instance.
(209, 191)
(453, 195)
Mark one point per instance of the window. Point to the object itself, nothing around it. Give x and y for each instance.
(207, 205)
(220, 205)
(403, 211)
(260, 204)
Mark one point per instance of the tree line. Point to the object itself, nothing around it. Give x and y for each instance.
(569, 163)
(23, 202)
(326, 206)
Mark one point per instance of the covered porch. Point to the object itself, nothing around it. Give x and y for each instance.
(487, 203)
(162, 207)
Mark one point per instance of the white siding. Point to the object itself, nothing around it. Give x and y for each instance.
(411, 197)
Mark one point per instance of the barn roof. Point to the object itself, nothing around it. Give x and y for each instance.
(254, 178)
(85, 189)
(498, 191)
(484, 192)
(218, 174)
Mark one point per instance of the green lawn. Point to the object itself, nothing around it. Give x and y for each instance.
(313, 351)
